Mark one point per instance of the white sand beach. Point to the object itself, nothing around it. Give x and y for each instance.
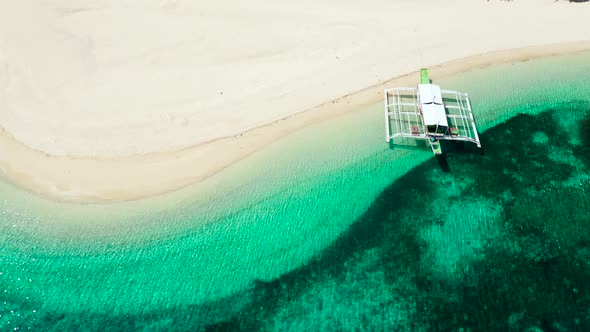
(111, 100)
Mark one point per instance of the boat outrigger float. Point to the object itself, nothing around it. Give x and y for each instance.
(429, 113)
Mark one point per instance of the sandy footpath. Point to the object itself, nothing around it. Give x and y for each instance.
(118, 100)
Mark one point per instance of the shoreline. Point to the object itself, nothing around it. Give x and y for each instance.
(104, 180)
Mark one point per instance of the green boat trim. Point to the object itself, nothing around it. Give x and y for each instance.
(424, 79)
(436, 148)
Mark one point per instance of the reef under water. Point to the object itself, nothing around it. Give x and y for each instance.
(500, 242)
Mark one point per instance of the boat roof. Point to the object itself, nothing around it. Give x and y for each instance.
(433, 109)
(430, 93)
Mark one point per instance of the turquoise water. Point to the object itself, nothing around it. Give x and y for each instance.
(328, 229)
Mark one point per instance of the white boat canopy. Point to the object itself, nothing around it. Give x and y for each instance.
(431, 104)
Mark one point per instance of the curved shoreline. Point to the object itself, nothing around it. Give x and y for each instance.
(96, 180)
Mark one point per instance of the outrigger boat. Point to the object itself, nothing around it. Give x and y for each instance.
(430, 113)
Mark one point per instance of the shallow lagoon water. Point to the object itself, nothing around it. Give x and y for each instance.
(328, 229)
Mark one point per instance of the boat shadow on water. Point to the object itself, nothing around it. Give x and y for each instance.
(449, 148)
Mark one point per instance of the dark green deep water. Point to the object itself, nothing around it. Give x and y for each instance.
(499, 241)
